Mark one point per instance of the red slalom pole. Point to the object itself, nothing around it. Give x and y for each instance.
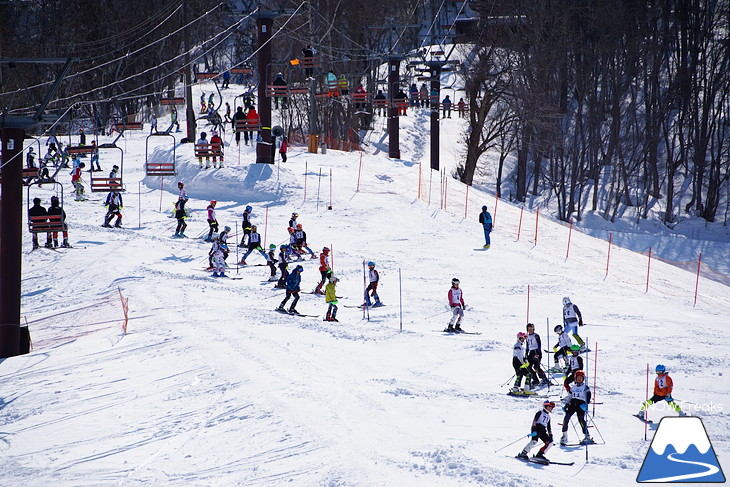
(537, 216)
(519, 226)
(466, 201)
(419, 179)
(305, 181)
(608, 258)
(494, 217)
(162, 181)
(697, 282)
(330, 207)
(570, 232)
(648, 267)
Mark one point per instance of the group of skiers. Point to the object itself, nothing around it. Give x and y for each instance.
(567, 359)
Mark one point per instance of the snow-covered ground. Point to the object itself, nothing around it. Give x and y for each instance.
(211, 387)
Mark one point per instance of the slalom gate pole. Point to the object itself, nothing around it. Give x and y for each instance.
(330, 206)
(528, 304)
(537, 218)
(595, 372)
(466, 201)
(359, 171)
(400, 297)
(305, 182)
(570, 232)
(237, 261)
(646, 411)
(430, 180)
(608, 257)
(519, 225)
(162, 181)
(512, 443)
(420, 164)
(266, 223)
(365, 287)
(697, 281)
(319, 185)
(547, 330)
(139, 203)
(648, 268)
(494, 217)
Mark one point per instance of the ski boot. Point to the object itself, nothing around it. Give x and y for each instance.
(564, 439)
(215, 274)
(292, 311)
(540, 457)
(587, 440)
(55, 243)
(523, 455)
(243, 262)
(49, 245)
(450, 329)
(223, 274)
(377, 304)
(281, 308)
(458, 329)
(65, 244)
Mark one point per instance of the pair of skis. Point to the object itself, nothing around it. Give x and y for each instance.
(541, 461)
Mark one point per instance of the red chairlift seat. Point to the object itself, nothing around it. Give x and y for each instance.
(277, 90)
(209, 75)
(45, 224)
(248, 125)
(208, 150)
(177, 100)
(360, 97)
(241, 70)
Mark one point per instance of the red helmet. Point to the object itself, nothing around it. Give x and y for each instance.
(549, 404)
(290, 230)
(299, 226)
(579, 373)
(213, 202)
(522, 335)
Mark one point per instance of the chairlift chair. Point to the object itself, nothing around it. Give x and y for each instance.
(107, 184)
(175, 100)
(207, 75)
(159, 168)
(46, 223)
(241, 70)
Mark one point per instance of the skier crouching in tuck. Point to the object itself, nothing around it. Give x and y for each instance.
(579, 399)
(540, 430)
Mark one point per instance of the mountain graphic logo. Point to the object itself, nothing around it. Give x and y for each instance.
(681, 452)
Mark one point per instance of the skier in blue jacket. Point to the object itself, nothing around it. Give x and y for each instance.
(486, 220)
(292, 288)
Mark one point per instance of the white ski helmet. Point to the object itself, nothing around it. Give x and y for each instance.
(566, 301)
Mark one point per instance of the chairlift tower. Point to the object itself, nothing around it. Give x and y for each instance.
(393, 123)
(12, 133)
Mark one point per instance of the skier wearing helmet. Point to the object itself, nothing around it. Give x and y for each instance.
(579, 399)
(246, 225)
(663, 386)
(534, 356)
(540, 430)
(254, 243)
(293, 220)
(520, 364)
(330, 297)
(575, 363)
(212, 221)
(456, 301)
(561, 349)
(292, 289)
(301, 236)
(572, 319)
(271, 262)
(324, 269)
(373, 278)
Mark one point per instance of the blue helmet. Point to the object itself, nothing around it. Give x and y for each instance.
(299, 268)
(227, 228)
(249, 208)
(371, 264)
(660, 369)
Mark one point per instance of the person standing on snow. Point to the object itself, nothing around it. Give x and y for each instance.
(663, 386)
(580, 398)
(534, 356)
(216, 148)
(219, 261)
(283, 266)
(486, 220)
(575, 364)
(254, 243)
(456, 301)
(283, 148)
(572, 319)
(113, 208)
(292, 289)
(76, 179)
(540, 430)
(520, 364)
(561, 348)
(271, 261)
(330, 297)
(246, 225)
(301, 236)
(446, 106)
(153, 124)
(324, 269)
(373, 278)
(180, 213)
(212, 220)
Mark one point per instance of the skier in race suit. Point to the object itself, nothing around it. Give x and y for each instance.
(579, 398)
(540, 430)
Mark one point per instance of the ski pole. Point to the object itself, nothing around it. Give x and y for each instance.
(508, 380)
(532, 434)
(593, 422)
